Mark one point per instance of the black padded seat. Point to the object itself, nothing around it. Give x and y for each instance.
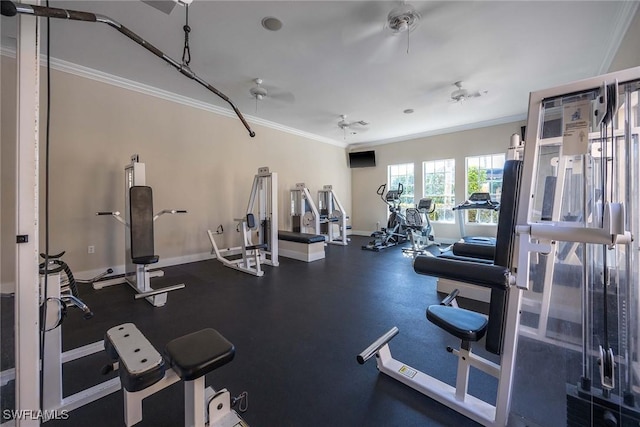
(471, 250)
(291, 236)
(450, 255)
(198, 353)
(144, 260)
(464, 324)
(259, 246)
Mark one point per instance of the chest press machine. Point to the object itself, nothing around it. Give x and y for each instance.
(263, 201)
(144, 371)
(305, 217)
(333, 217)
(139, 238)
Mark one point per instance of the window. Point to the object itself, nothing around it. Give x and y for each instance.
(439, 186)
(402, 174)
(484, 175)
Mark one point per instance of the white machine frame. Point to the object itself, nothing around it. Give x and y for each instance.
(263, 201)
(304, 208)
(610, 230)
(458, 397)
(136, 275)
(54, 401)
(336, 217)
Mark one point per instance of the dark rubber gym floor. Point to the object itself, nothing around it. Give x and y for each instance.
(297, 331)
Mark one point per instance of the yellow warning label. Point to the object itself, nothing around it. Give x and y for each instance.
(407, 371)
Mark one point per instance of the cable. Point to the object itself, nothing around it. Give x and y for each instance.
(186, 52)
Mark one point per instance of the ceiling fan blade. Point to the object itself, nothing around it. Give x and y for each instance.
(287, 97)
(165, 6)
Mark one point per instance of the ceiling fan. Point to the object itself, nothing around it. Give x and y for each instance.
(354, 127)
(375, 25)
(260, 92)
(461, 94)
(403, 18)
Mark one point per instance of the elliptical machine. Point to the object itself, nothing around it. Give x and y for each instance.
(396, 230)
(420, 228)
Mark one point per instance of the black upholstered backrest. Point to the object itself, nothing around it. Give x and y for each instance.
(141, 222)
(505, 244)
(507, 218)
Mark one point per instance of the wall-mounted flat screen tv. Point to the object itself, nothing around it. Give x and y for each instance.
(362, 159)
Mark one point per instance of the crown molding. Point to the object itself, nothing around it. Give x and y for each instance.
(100, 76)
(625, 16)
(435, 132)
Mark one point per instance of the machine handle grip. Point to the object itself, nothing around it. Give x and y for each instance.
(380, 190)
(107, 213)
(400, 188)
(370, 351)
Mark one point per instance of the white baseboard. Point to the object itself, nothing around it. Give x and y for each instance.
(163, 262)
(7, 288)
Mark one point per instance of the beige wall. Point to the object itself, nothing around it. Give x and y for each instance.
(368, 209)
(628, 54)
(195, 160)
(7, 172)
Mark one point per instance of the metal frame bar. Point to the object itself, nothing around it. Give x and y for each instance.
(10, 8)
(457, 398)
(27, 326)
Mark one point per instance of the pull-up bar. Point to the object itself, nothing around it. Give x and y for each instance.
(10, 8)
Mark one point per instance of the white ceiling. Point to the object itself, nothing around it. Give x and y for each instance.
(336, 57)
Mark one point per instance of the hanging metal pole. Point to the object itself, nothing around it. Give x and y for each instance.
(10, 8)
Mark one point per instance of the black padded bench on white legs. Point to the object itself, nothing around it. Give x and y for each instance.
(301, 246)
(143, 372)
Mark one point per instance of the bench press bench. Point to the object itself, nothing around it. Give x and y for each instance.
(301, 246)
(143, 372)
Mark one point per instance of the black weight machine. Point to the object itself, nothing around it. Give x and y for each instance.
(396, 230)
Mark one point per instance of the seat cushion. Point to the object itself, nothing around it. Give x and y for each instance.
(464, 324)
(198, 353)
(307, 238)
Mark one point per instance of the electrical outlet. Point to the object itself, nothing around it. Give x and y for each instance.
(91, 249)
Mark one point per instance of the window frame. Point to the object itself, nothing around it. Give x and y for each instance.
(406, 199)
(443, 211)
(491, 184)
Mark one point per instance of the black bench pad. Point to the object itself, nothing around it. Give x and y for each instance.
(259, 246)
(198, 353)
(307, 238)
(450, 255)
(487, 275)
(474, 251)
(464, 324)
(145, 260)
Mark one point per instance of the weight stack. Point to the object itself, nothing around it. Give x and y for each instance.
(592, 409)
